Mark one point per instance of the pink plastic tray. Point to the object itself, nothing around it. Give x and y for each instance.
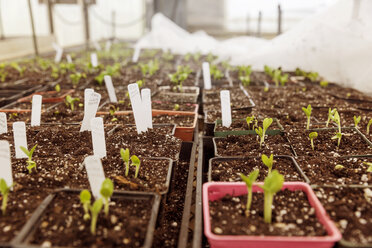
(216, 190)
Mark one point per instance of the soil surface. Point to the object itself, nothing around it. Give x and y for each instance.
(292, 216)
(212, 116)
(238, 125)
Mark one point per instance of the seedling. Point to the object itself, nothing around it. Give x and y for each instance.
(357, 120)
(308, 114)
(31, 164)
(331, 112)
(70, 102)
(323, 83)
(246, 80)
(136, 162)
(339, 167)
(75, 78)
(268, 161)
(57, 88)
(262, 131)
(94, 210)
(18, 68)
(215, 72)
(107, 189)
(250, 120)
(245, 70)
(336, 118)
(125, 156)
(368, 126)
(313, 76)
(4, 189)
(272, 184)
(312, 136)
(337, 136)
(176, 107)
(369, 166)
(85, 200)
(249, 181)
(269, 71)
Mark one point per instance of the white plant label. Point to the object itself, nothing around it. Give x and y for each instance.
(59, 53)
(135, 99)
(94, 59)
(207, 76)
(87, 93)
(98, 137)
(5, 163)
(225, 108)
(69, 59)
(108, 45)
(97, 46)
(91, 110)
(136, 54)
(95, 173)
(3, 123)
(110, 88)
(36, 110)
(20, 139)
(146, 103)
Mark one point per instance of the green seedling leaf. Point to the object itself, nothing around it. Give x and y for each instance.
(125, 156)
(250, 120)
(369, 164)
(308, 114)
(85, 197)
(313, 76)
(57, 88)
(337, 136)
(357, 120)
(176, 107)
(323, 83)
(70, 101)
(267, 123)
(339, 167)
(107, 189)
(269, 71)
(249, 180)
(336, 118)
(331, 113)
(312, 136)
(368, 126)
(4, 190)
(30, 164)
(272, 184)
(136, 162)
(94, 210)
(246, 80)
(268, 161)
(260, 133)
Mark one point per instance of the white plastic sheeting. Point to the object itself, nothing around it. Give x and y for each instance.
(337, 43)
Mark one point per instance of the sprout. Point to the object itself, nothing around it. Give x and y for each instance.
(357, 120)
(215, 72)
(95, 209)
(368, 125)
(75, 78)
(136, 162)
(268, 161)
(57, 88)
(369, 166)
(4, 189)
(18, 68)
(276, 76)
(266, 89)
(262, 131)
(245, 70)
(272, 184)
(331, 112)
(85, 200)
(313, 76)
(308, 114)
(113, 109)
(339, 167)
(269, 71)
(107, 189)
(176, 107)
(71, 101)
(246, 80)
(312, 136)
(31, 164)
(323, 83)
(249, 180)
(125, 156)
(337, 136)
(140, 83)
(250, 120)
(336, 118)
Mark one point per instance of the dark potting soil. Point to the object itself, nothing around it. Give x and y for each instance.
(321, 170)
(28, 106)
(237, 102)
(174, 99)
(22, 202)
(351, 143)
(249, 145)
(238, 125)
(63, 223)
(229, 171)
(125, 105)
(351, 94)
(350, 209)
(292, 216)
(63, 114)
(149, 144)
(212, 116)
(213, 96)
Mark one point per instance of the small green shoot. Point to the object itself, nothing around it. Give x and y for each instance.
(94, 210)
(308, 114)
(323, 84)
(31, 164)
(272, 184)
(268, 161)
(249, 181)
(312, 136)
(107, 189)
(331, 113)
(339, 167)
(262, 131)
(357, 120)
(176, 107)
(369, 169)
(4, 189)
(251, 120)
(269, 71)
(337, 136)
(246, 80)
(216, 73)
(57, 88)
(140, 84)
(136, 162)
(336, 118)
(369, 125)
(85, 200)
(125, 156)
(75, 78)
(70, 102)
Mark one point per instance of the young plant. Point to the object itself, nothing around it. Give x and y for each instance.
(176, 107)
(337, 136)
(249, 181)
(323, 84)
(75, 78)
(4, 189)
(369, 166)
(94, 210)
(250, 120)
(57, 88)
(368, 126)
(244, 70)
(125, 157)
(70, 102)
(272, 184)
(85, 200)
(18, 68)
(107, 189)
(215, 72)
(269, 71)
(136, 162)
(357, 120)
(31, 164)
(336, 118)
(339, 167)
(246, 80)
(262, 131)
(312, 136)
(268, 161)
(308, 114)
(313, 76)
(331, 112)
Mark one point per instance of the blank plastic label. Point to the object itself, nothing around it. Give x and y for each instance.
(96, 175)
(20, 139)
(225, 108)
